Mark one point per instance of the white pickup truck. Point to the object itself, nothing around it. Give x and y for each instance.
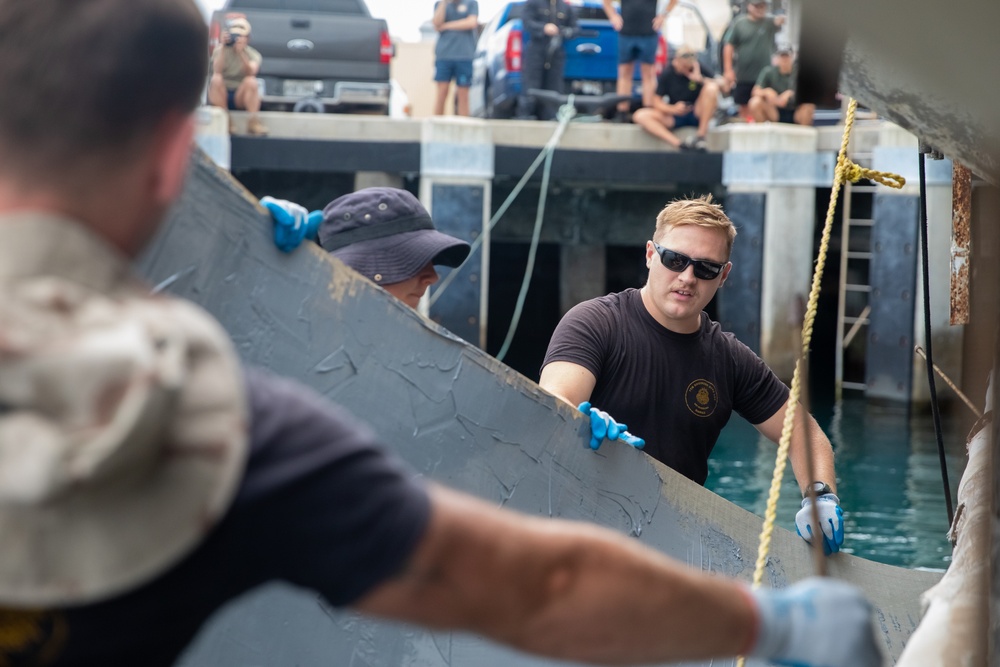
(318, 55)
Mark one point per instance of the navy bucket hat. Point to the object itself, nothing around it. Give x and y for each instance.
(386, 235)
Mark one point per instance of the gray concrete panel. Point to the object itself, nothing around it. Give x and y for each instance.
(455, 415)
(893, 280)
(739, 299)
(458, 210)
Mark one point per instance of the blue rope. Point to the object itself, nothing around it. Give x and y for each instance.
(564, 116)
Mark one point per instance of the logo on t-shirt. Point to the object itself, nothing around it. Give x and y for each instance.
(30, 637)
(701, 398)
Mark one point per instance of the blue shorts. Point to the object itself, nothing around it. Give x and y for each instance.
(231, 100)
(459, 70)
(686, 120)
(637, 47)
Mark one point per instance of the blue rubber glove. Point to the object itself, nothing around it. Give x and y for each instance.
(603, 426)
(831, 518)
(292, 223)
(817, 622)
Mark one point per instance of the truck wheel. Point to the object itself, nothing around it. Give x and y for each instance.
(488, 109)
(308, 105)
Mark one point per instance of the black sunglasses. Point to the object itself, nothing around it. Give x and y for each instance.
(676, 262)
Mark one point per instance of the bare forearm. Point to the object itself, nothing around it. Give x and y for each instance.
(727, 58)
(439, 14)
(569, 590)
(248, 65)
(627, 606)
(468, 23)
(822, 453)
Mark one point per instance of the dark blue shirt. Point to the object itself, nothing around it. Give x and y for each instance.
(321, 506)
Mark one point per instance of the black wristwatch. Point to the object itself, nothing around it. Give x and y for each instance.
(819, 488)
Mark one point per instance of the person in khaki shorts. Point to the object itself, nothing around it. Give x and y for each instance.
(235, 65)
(147, 478)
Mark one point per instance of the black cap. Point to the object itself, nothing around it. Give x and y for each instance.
(386, 235)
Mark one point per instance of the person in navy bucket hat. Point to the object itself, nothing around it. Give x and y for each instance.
(383, 233)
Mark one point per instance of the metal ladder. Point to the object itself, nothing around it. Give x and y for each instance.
(853, 302)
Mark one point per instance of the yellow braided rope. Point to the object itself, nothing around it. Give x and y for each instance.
(849, 171)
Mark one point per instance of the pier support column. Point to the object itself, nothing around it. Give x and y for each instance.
(377, 179)
(582, 273)
(897, 317)
(456, 180)
(771, 171)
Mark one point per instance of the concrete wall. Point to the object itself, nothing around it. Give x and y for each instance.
(413, 68)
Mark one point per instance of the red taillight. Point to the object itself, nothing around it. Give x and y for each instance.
(214, 35)
(385, 49)
(514, 49)
(661, 54)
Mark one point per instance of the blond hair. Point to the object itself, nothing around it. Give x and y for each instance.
(700, 211)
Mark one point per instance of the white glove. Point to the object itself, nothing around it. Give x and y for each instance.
(831, 519)
(816, 623)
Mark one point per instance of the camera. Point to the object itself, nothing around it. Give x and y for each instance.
(234, 30)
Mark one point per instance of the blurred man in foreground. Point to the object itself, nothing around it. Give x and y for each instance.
(146, 478)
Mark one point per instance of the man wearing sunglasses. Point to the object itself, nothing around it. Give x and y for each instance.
(652, 358)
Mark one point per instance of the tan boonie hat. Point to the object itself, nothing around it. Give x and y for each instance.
(238, 26)
(123, 423)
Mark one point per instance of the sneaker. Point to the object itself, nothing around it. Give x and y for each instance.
(256, 128)
(694, 143)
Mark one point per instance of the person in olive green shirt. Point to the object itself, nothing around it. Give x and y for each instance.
(774, 94)
(235, 65)
(749, 43)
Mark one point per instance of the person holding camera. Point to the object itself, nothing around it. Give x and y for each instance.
(548, 23)
(234, 74)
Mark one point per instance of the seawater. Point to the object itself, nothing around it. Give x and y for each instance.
(888, 472)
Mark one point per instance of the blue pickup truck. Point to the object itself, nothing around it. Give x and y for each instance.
(591, 61)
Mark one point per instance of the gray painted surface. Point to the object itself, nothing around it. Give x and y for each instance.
(925, 65)
(893, 279)
(739, 298)
(457, 416)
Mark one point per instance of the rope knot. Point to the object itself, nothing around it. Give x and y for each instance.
(853, 172)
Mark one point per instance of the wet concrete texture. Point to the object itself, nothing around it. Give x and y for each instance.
(457, 416)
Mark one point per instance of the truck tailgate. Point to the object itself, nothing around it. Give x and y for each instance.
(594, 57)
(318, 46)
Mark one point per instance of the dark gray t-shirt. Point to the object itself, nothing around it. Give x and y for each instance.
(321, 506)
(457, 44)
(637, 17)
(676, 391)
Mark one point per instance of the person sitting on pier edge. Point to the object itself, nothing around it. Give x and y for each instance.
(548, 24)
(774, 94)
(147, 478)
(385, 234)
(686, 96)
(653, 358)
(235, 65)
